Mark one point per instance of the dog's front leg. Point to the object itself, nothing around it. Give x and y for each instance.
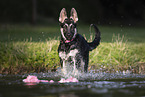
(75, 70)
(63, 59)
(64, 67)
(74, 64)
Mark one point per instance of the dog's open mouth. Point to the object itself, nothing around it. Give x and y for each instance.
(67, 41)
(69, 38)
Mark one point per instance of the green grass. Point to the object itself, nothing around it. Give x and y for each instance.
(26, 48)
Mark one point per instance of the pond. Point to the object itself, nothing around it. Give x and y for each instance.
(89, 85)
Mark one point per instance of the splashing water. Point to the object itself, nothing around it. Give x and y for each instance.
(101, 84)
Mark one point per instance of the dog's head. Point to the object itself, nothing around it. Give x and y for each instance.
(68, 25)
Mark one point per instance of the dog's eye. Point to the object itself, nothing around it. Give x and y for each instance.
(65, 28)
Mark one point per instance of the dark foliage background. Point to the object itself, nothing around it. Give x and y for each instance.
(89, 11)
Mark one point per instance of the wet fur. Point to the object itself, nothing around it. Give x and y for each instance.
(76, 52)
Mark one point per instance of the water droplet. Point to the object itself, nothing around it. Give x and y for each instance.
(110, 23)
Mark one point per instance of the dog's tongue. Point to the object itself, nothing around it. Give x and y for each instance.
(67, 41)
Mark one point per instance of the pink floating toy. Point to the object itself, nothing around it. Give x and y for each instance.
(44, 81)
(71, 79)
(51, 81)
(33, 79)
(63, 80)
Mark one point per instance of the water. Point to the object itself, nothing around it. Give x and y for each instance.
(89, 85)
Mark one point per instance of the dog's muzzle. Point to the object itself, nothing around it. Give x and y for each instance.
(65, 39)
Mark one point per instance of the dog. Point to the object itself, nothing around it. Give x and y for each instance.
(73, 49)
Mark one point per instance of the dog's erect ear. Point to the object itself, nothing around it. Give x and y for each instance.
(74, 15)
(63, 15)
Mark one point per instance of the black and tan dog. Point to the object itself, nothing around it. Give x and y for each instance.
(74, 49)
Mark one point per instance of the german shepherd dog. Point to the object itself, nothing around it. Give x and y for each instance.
(73, 48)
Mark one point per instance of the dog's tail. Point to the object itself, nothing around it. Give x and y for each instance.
(97, 39)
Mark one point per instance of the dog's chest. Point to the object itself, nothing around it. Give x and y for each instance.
(65, 56)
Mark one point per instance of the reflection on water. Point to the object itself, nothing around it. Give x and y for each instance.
(68, 95)
(89, 85)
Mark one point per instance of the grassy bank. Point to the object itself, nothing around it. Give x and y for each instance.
(24, 48)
